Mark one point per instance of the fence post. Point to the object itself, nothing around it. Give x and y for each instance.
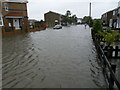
(111, 52)
(102, 46)
(116, 51)
(111, 83)
(106, 50)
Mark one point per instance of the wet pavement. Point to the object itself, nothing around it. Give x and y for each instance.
(64, 58)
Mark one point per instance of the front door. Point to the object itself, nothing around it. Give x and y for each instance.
(16, 23)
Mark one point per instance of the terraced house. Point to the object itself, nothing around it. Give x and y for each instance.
(106, 17)
(14, 18)
(112, 18)
(116, 18)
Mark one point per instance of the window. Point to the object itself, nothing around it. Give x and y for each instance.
(106, 15)
(6, 6)
(119, 10)
(1, 21)
(113, 12)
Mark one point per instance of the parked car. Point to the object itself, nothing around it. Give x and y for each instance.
(57, 27)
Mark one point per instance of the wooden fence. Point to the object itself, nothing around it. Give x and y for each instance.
(109, 69)
(110, 51)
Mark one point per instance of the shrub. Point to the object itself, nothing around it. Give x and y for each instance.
(109, 36)
(97, 26)
(109, 30)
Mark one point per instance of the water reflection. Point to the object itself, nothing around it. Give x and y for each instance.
(51, 59)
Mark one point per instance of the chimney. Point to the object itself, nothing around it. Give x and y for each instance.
(90, 10)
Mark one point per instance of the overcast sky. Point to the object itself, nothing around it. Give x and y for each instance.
(37, 8)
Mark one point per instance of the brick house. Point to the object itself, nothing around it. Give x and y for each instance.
(52, 18)
(112, 18)
(118, 17)
(15, 17)
(106, 17)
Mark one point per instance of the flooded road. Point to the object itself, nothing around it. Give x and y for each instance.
(63, 58)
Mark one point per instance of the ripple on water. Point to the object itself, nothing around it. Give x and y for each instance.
(61, 57)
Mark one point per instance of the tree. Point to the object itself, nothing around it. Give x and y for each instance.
(68, 13)
(74, 19)
(65, 20)
(41, 20)
(69, 18)
(97, 26)
(87, 20)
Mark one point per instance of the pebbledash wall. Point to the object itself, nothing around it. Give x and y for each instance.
(15, 17)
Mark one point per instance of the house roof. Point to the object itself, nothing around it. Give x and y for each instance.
(16, 1)
(110, 11)
(52, 12)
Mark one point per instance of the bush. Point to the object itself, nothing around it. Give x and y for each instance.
(109, 30)
(97, 26)
(109, 36)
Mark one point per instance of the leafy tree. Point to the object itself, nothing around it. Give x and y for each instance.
(74, 19)
(69, 18)
(65, 20)
(87, 20)
(97, 26)
(68, 13)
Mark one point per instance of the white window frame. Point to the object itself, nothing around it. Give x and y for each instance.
(6, 6)
(106, 15)
(1, 20)
(119, 10)
(114, 12)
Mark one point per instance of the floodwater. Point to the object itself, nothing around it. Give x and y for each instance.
(64, 58)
